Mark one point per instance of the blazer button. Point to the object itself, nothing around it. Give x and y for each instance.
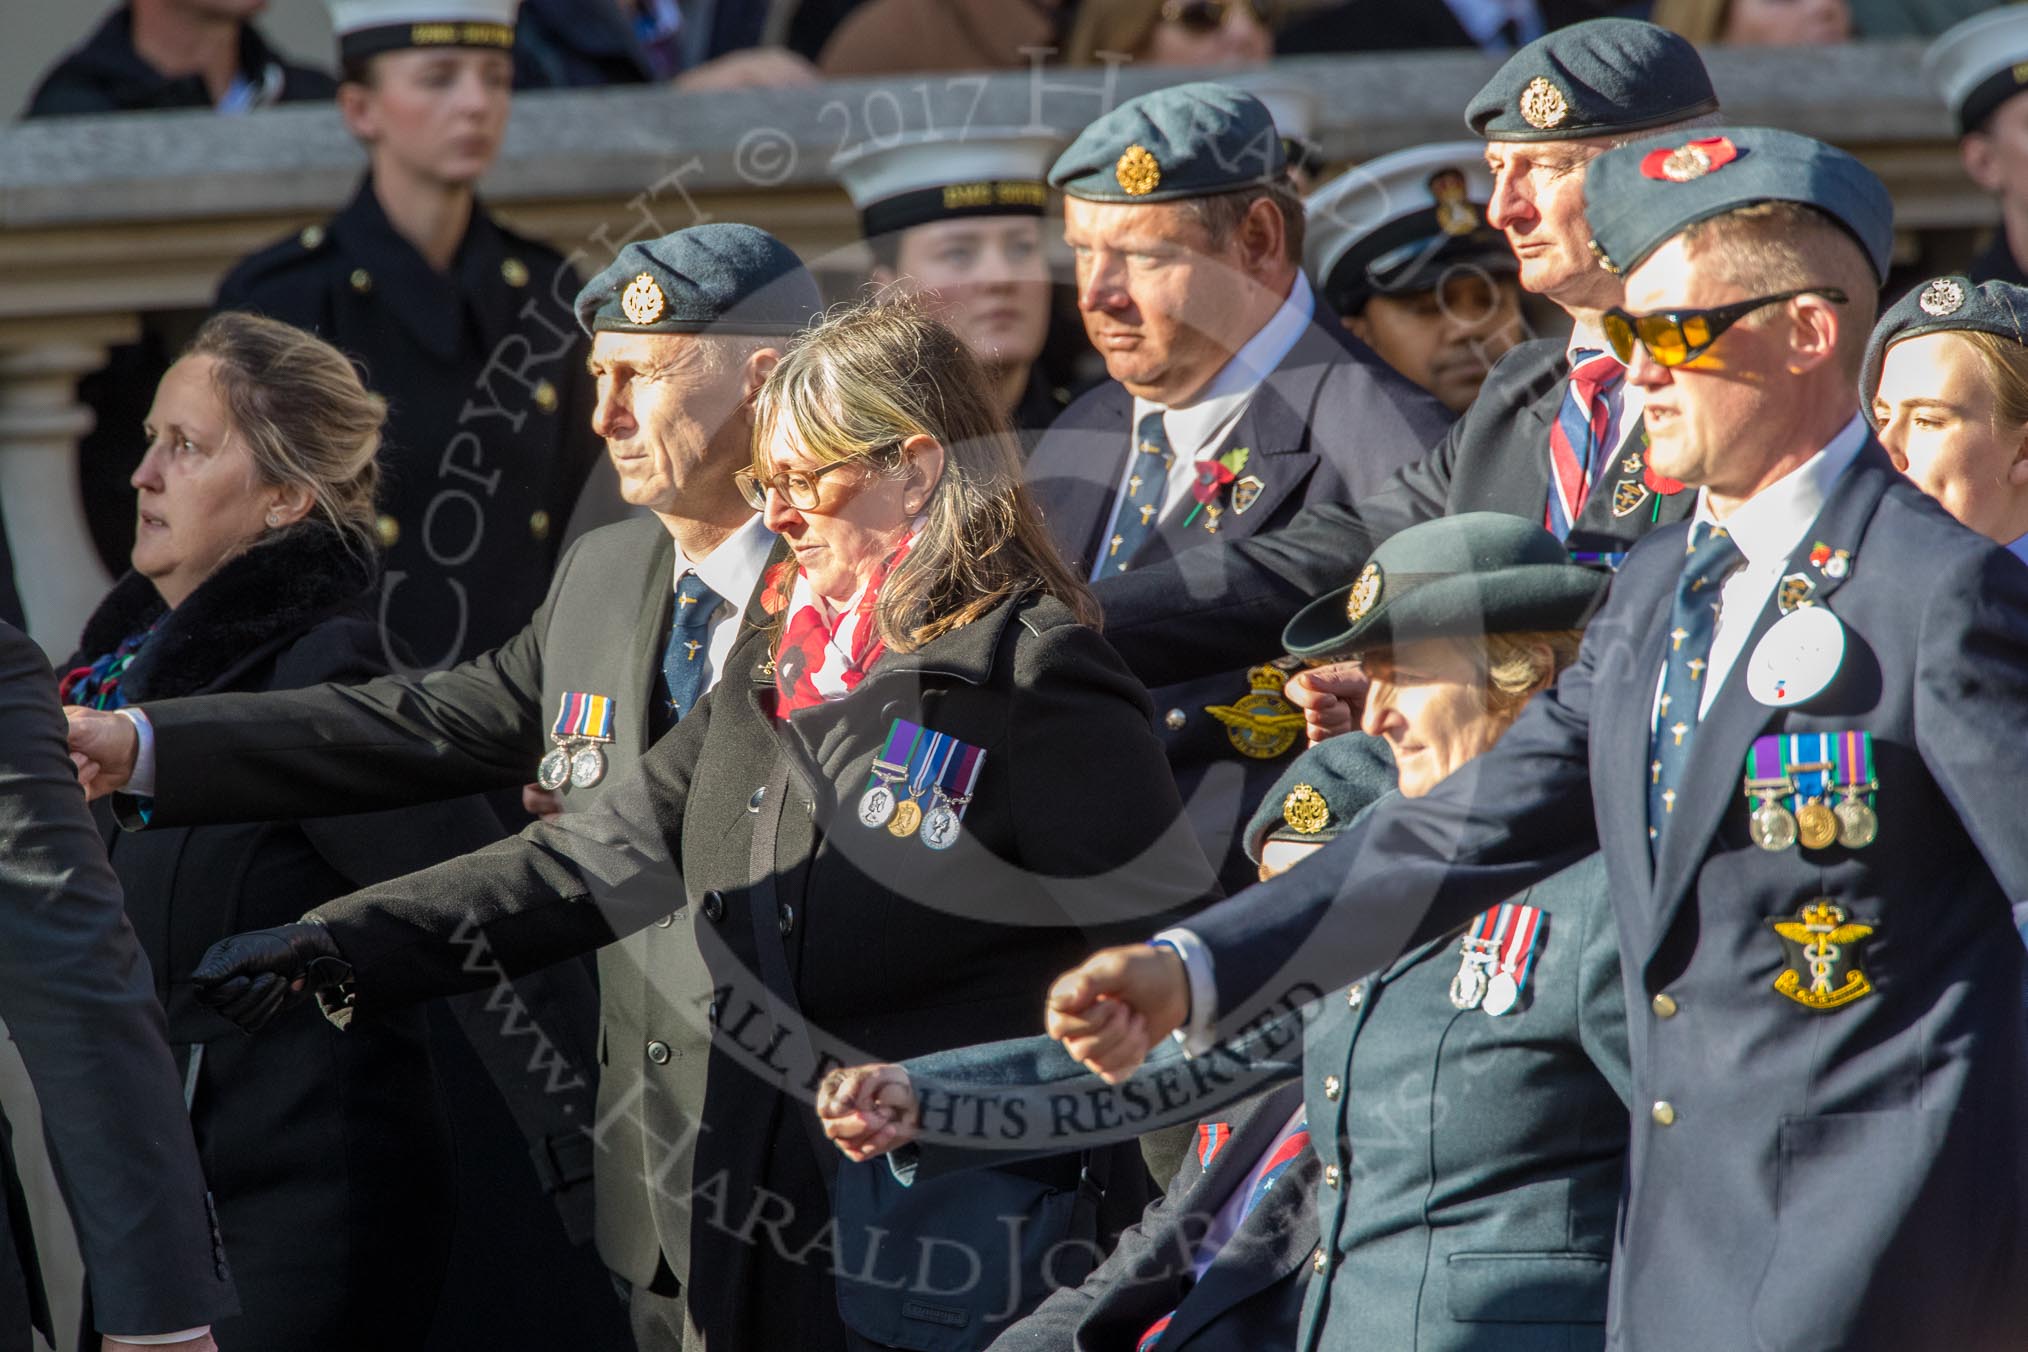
(1356, 996)
(1331, 1175)
(890, 711)
(714, 907)
(1664, 1006)
(1664, 1112)
(786, 919)
(1175, 719)
(665, 921)
(1317, 1259)
(760, 795)
(1332, 1087)
(658, 1052)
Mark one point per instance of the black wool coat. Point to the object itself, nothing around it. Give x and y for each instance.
(328, 1156)
(801, 939)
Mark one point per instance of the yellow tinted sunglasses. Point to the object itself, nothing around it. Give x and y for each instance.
(1678, 337)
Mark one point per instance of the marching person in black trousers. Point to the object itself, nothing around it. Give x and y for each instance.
(462, 326)
(683, 330)
(254, 558)
(1236, 399)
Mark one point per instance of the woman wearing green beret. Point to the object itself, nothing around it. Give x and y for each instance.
(1468, 1101)
(880, 833)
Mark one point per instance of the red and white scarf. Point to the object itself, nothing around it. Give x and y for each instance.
(824, 657)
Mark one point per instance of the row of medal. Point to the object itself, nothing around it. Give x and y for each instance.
(583, 722)
(1496, 957)
(916, 765)
(1790, 779)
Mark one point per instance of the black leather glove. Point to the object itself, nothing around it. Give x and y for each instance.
(249, 978)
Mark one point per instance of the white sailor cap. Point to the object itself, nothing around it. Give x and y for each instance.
(929, 176)
(368, 27)
(1395, 223)
(1980, 64)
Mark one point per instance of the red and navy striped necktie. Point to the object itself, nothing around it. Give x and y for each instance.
(1580, 437)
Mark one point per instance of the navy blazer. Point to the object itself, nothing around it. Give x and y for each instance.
(1175, 622)
(1846, 1179)
(1329, 424)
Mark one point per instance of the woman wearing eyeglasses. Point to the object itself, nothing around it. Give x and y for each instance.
(1175, 32)
(924, 786)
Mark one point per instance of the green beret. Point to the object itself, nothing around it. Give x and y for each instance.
(1944, 305)
(1455, 577)
(1639, 197)
(1603, 77)
(720, 278)
(1191, 140)
(1321, 791)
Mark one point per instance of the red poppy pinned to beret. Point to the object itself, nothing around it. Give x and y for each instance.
(1686, 162)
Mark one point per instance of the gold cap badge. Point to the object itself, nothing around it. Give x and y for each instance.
(1454, 214)
(1942, 297)
(1365, 593)
(643, 301)
(1305, 810)
(1137, 171)
(1543, 105)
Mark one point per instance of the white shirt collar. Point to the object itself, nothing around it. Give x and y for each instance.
(1585, 338)
(1197, 423)
(1768, 526)
(733, 569)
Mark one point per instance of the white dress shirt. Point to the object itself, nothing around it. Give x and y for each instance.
(732, 570)
(1199, 428)
(1767, 528)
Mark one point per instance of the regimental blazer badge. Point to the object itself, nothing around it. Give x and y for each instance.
(1824, 948)
(1260, 724)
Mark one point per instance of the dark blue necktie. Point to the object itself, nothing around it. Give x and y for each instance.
(1147, 486)
(685, 667)
(1693, 619)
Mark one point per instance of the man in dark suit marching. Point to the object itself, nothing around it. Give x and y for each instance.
(1236, 398)
(1556, 433)
(637, 625)
(1786, 743)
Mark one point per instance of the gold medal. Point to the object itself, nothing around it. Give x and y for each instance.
(1816, 825)
(907, 816)
(1858, 825)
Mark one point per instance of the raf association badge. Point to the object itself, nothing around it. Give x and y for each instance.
(1365, 593)
(1543, 105)
(643, 301)
(1260, 724)
(1823, 949)
(1137, 172)
(1305, 810)
(1941, 297)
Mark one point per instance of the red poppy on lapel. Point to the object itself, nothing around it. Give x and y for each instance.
(775, 587)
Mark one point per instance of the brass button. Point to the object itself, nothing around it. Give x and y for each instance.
(1664, 1113)
(514, 272)
(1332, 1086)
(388, 529)
(1356, 996)
(545, 396)
(1331, 1175)
(1317, 1260)
(658, 1052)
(312, 236)
(538, 524)
(1175, 719)
(714, 907)
(1664, 1005)
(362, 282)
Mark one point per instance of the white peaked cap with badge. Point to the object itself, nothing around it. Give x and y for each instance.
(924, 177)
(1400, 189)
(1980, 64)
(365, 28)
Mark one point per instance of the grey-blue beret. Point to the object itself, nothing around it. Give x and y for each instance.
(1603, 77)
(1322, 791)
(1640, 196)
(1944, 305)
(1189, 140)
(720, 278)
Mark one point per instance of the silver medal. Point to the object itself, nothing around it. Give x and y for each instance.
(554, 769)
(1502, 992)
(876, 805)
(1468, 987)
(587, 767)
(940, 827)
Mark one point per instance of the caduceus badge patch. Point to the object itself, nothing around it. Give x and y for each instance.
(1824, 948)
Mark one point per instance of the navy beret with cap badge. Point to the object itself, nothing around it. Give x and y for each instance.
(1321, 791)
(1943, 305)
(1642, 195)
(722, 277)
(1189, 140)
(1602, 77)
